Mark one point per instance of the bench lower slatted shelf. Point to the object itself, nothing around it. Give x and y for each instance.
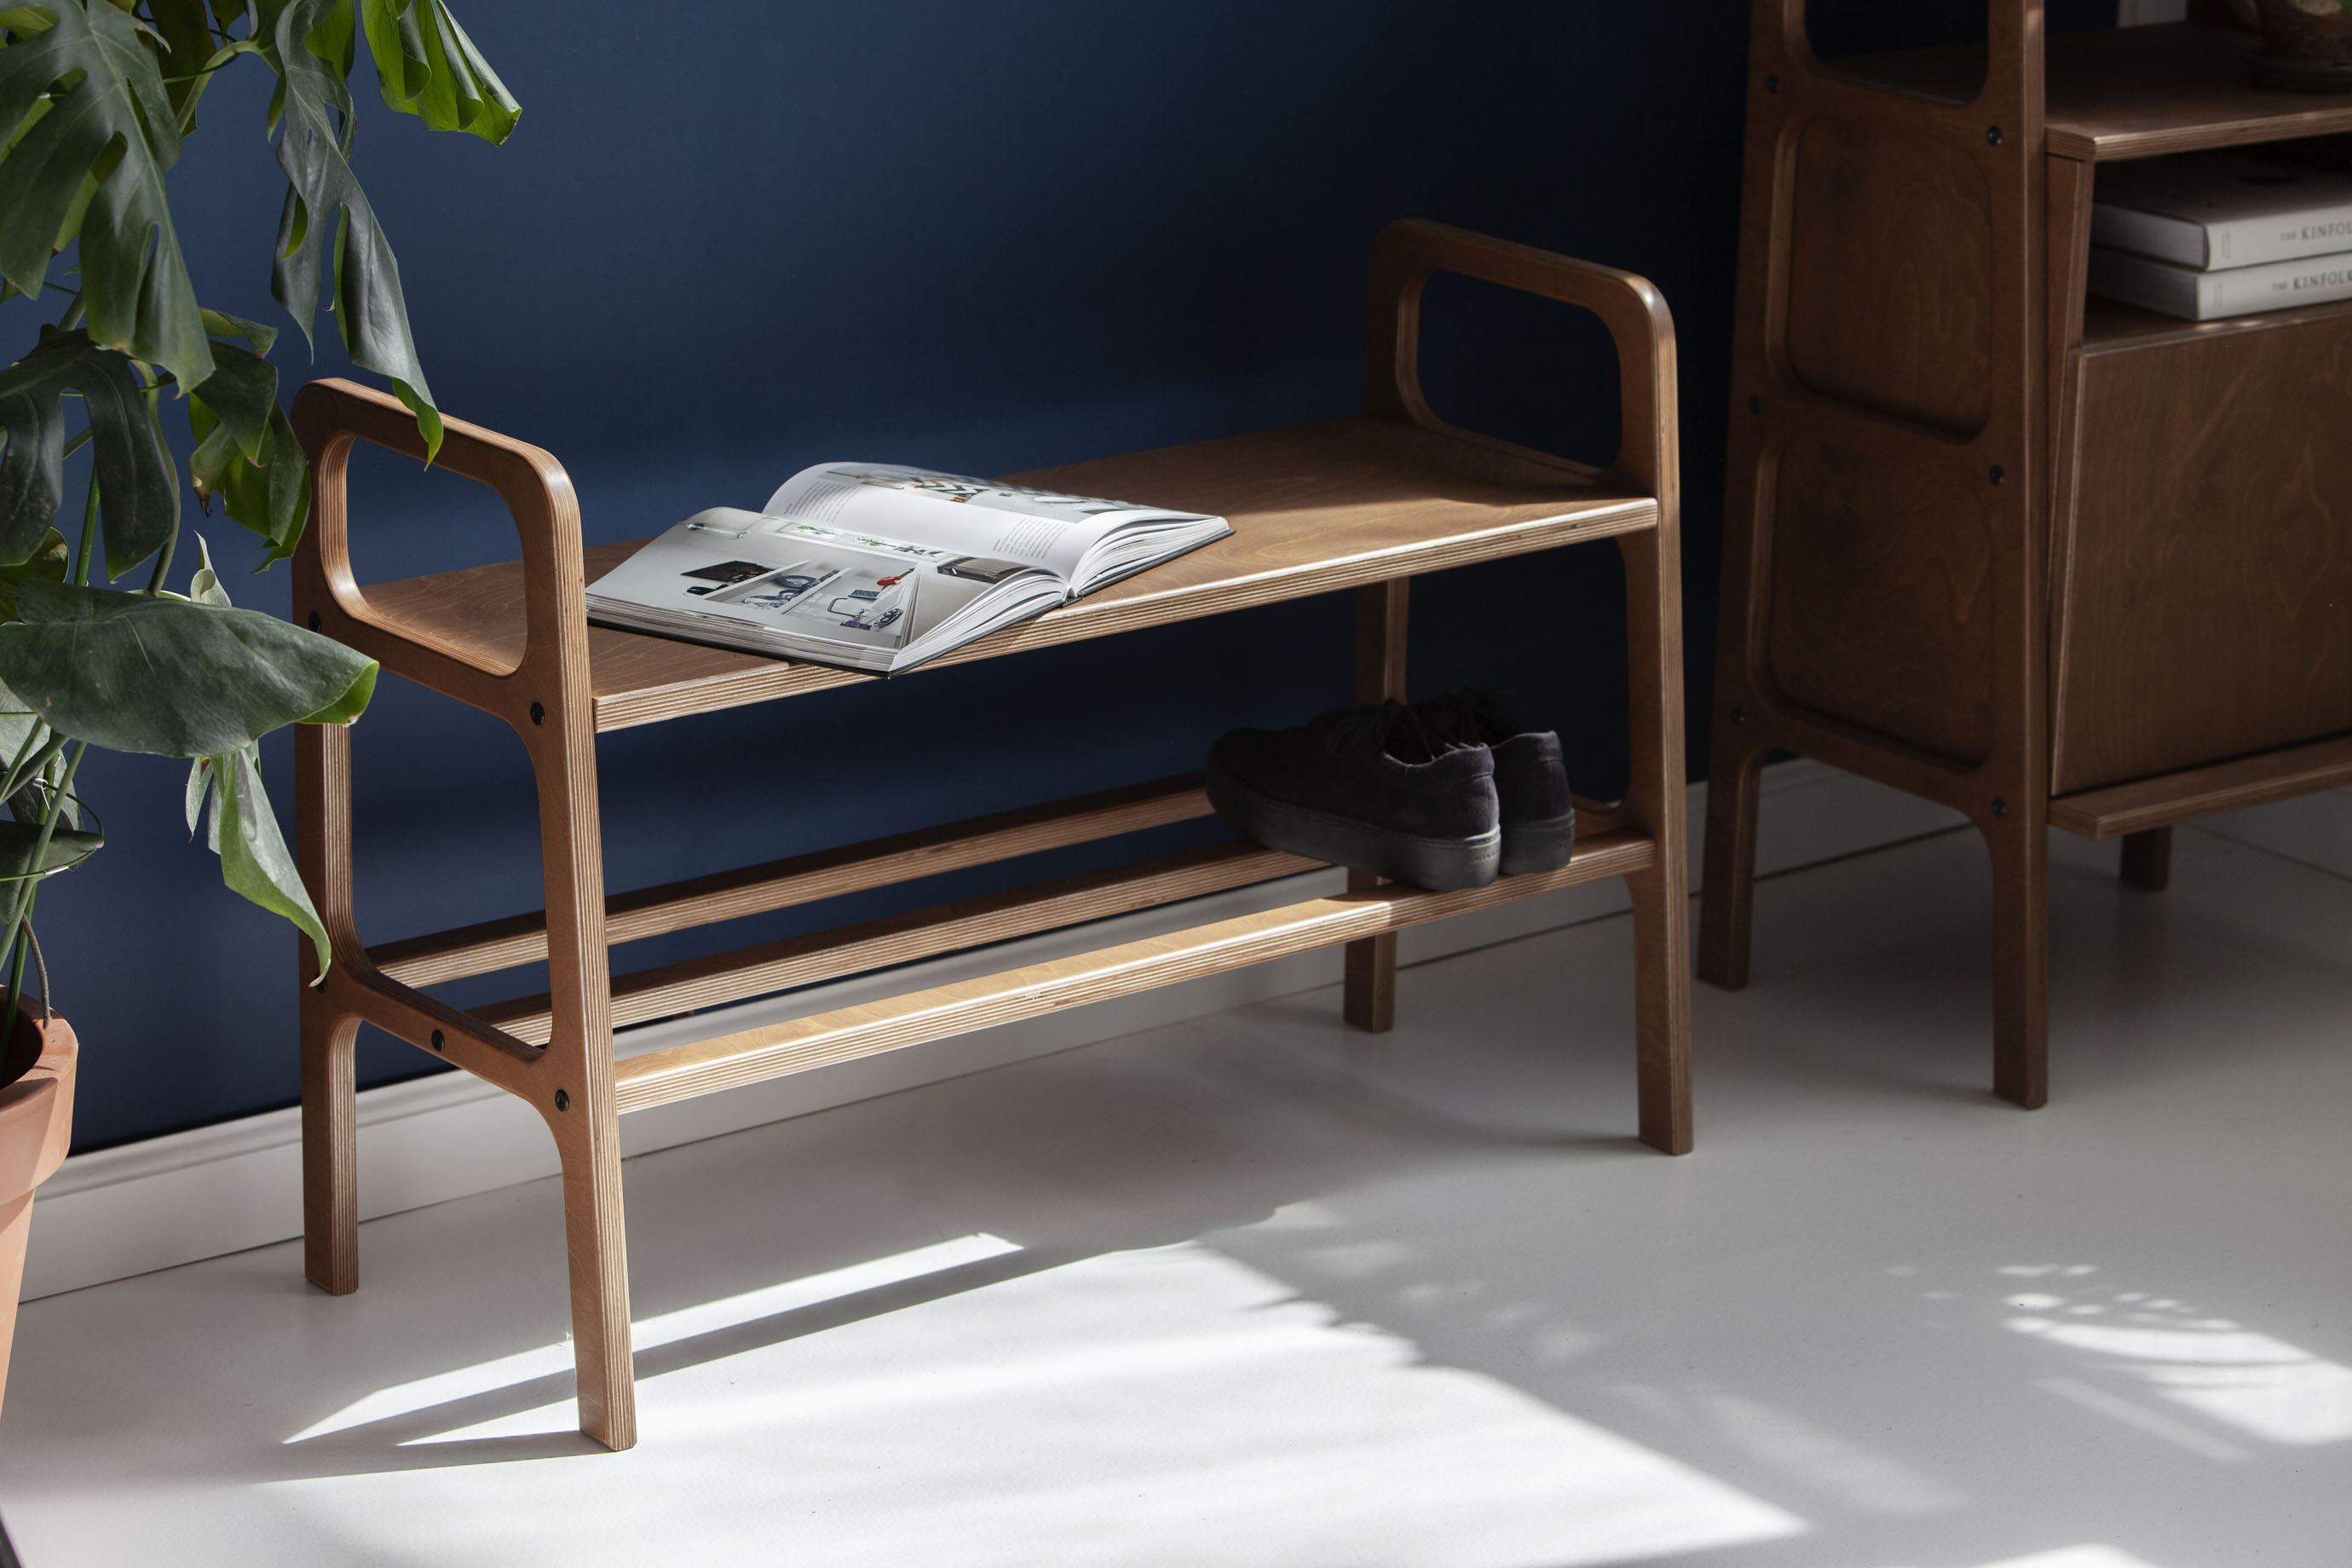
(1364, 503)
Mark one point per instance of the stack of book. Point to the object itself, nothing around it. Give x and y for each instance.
(2222, 233)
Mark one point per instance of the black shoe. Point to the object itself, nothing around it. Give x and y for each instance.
(1538, 817)
(1368, 788)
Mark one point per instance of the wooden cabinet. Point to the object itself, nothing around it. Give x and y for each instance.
(2048, 560)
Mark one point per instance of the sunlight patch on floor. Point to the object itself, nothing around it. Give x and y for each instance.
(667, 1328)
(1166, 1405)
(2251, 1381)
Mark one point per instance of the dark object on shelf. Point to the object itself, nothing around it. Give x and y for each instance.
(1370, 788)
(1530, 777)
(2146, 623)
(2306, 46)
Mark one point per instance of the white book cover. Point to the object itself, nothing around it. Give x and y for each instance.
(2199, 296)
(2219, 210)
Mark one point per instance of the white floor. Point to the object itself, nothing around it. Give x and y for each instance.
(1252, 1292)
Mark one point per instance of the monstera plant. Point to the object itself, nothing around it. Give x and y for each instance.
(96, 649)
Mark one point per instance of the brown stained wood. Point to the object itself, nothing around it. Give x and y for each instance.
(504, 944)
(1882, 586)
(1889, 293)
(2235, 785)
(2131, 92)
(1367, 988)
(693, 984)
(1315, 507)
(2146, 862)
(775, 1051)
(1885, 558)
(2205, 605)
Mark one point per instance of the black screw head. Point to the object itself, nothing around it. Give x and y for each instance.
(1998, 474)
(1755, 406)
(314, 620)
(1992, 135)
(2000, 807)
(1771, 84)
(562, 1100)
(436, 1039)
(539, 715)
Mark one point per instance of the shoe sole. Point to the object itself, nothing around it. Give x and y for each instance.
(1409, 857)
(1545, 846)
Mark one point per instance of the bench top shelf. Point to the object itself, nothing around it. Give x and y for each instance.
(1314, 508)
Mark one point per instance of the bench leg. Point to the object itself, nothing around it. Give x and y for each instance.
(1370, 990)
(330, 1186)
(330, 1036)
(596, 1247)
(1654, 794)
(2148, 861)
(576, 1091)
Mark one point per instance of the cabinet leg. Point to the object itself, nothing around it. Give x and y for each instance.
(1727, 896)
(1369, 991)
(2020, 926)
(2147, 859)
(1662, 1021)
(330, 1176)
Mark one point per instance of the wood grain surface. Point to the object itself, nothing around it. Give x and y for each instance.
(2130, 92)
(516, 939)
(715, 979)
(2143, 804)
(1314, 508)
(2204, 596)
(1890, 273)
(777, 1049)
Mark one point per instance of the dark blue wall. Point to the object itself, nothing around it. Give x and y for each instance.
(734, 238)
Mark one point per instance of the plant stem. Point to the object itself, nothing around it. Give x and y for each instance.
(88, 532)
(164, 562)
(21, 913)
(38, 750)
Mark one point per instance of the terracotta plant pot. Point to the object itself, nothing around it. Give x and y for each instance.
(35, 1127)
(2307, 45)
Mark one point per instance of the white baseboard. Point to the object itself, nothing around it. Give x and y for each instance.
(220, 1189)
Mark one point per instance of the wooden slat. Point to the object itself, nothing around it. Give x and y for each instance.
(1314, 508)
(804, 878)
(775, 1051)
(2136, 807)
(696, 983)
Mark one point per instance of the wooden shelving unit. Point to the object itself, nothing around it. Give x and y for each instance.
(2051, 561)
(1364, 504)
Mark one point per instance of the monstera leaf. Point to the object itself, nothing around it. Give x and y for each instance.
(113, 125)
(139, 493)
(173, 676)
(425, 66)
(314, 149)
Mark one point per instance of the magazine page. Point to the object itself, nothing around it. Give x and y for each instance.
(973, 517)
(805, 580)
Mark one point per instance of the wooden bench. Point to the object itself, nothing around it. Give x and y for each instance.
(1364, 504)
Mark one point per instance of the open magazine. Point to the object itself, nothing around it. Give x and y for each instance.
(876, 566)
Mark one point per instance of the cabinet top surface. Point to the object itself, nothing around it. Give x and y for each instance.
(2130, 92)
(1314, 508)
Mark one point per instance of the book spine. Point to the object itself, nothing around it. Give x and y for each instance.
(2282, 286)
(2296, 236)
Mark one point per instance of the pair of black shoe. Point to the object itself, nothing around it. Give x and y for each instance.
(1444, 793)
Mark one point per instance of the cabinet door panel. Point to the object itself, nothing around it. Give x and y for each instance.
(2203, 593)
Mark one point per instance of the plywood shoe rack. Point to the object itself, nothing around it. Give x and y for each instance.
(1363, 503)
